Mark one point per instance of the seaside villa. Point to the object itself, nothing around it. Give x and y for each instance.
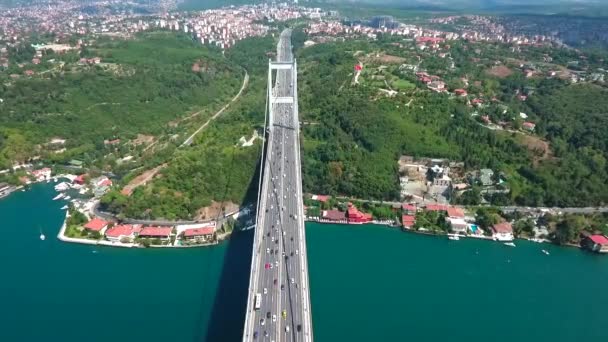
(595, 243)
(96, 225)
(162, 233)
(123, 231)
(502, 232)
(200, 232)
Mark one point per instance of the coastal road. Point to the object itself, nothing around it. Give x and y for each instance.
(279, 267)
(566, 210)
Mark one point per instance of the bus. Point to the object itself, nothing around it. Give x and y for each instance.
(258, 301)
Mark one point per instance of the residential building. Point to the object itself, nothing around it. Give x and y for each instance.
(595, 243)
(96, 225)
(409, 208)
(408, 221)
(502, 231)
(356, 216)
(162, 233)
(122, 232)
(199, 231)
(486, 177)
(335, 216)
(455, 212)
(458, 225)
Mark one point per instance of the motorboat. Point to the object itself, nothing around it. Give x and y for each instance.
(60, 196)
(67, 197)
(454, 237)
(545, 251)
(510, 244)
(42, 237)
(64, 207)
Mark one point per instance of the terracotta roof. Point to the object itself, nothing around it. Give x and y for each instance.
(122, 230)
(504, 227)
(436, 207)
(199, 231)
(156, 231)
(599, 239)
(455, 212)
(333, 215)
(96, 224)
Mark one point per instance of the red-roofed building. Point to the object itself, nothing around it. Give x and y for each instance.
(409, 208)
(460, 92)
(320, 198)
(156, 232)
(356, 216)
(96, 225)
(358, 67)
(528, 126)
(502, 231)
(333, 216)
(123, 231)
(455, 212)
(80, 179)
(199, 231)
(408, 221)
(596, 243)
(436, 207)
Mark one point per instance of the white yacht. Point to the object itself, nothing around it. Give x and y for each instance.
(510, 244)
(60, 196)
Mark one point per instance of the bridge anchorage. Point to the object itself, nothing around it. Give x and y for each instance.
(278, 307)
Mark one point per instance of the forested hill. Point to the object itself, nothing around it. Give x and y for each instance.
(355, 134)
(138, 87)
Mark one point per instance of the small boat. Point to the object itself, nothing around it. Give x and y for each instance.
(60, 196)
(545, 251)
(510, 244)
(42, 237)
(67, 197)
(453, 237)
(64, 207)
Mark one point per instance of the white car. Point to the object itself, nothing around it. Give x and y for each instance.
(274, 318)
(296, 252)
(267, 250)
(265, 290)
(292, 280)
(287, 328)
(276, 263)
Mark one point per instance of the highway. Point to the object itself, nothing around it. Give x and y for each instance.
(279, 273)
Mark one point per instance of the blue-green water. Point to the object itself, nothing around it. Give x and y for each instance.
(368, 283)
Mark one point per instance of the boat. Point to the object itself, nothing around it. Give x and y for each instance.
(453, 237)
(510, 244)
(64, 207)
(67, 197)
(60, 196)
(62, 186)
(545, 251)
(42, 237)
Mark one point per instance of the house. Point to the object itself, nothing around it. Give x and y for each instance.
(502, 232)
(486, 177)
(528, 126)
(320, 198)
(458, 225)
(436, 207)
(356, 216)
(122, 232)
(409, 208)
(455, 212)
(460, 92)
(42, 174)
(333, 216)
(80, 179)
(101, 185)
(29, 72)
(408, 221)
(203, 231)
(162, 233)
(96, 225)
(595, 243)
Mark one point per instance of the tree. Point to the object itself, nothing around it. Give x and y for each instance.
(569, 229)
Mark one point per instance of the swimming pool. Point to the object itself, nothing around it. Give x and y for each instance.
(473, 228)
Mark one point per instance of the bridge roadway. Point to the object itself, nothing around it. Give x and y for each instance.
(279, 267)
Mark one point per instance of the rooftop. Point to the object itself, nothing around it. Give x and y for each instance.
(96, 224)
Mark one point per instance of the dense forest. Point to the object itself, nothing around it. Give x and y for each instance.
(353, 138)
(216, 167)
(139, 86)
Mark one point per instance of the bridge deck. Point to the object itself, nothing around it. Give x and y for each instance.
(279, 272)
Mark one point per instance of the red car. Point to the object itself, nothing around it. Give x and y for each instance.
(267, 266)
